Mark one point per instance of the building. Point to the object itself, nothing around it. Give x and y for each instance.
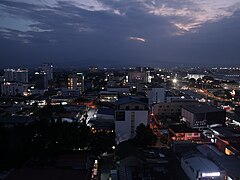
(41, 80)
(48, 69)
(18, 75)
(108, 96)
(156, 95)
(21, 75)
(229, 145)
(180, 132)
(202, 115)
(9, 74)
(199, 167)
(139, 75)
(70, 92)
(129, 114)
(170, 109)
(229, 164)
(195, 76)
(13, 88)
(119, 89)
(76, 82)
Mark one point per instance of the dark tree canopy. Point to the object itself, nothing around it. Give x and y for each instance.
(144, 136)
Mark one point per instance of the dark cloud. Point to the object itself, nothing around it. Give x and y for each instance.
(106, 34)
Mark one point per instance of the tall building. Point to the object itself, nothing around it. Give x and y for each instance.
(21, 75)
(48, 69)
(17, 75)
(9, 74)
(12, 88)
(129, 114)
(76, 82)
(41, 81)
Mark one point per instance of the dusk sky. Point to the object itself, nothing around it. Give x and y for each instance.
(119, 32)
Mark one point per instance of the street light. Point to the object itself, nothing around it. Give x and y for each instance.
(174, 80)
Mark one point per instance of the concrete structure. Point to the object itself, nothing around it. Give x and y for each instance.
(129, 114)
(195, 76)
(229, 145)
(76, 82)
(199, 167)
(229, 164)
(119, 89)
(180, 132)
(48, 69)
(41, 80)
(21, 75)
(9, 74)
(156, 95)
(170, 109)
(139, 75)
(202, 115)
(107, 96)
(12, 88)
(18, 75)
(70, 92)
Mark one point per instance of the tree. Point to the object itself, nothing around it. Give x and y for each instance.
(102, 142)
(144, 136)
(192, 81)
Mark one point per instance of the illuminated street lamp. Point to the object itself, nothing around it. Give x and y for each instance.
(174, 80)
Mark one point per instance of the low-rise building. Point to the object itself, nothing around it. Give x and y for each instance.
(202, 115)
(199, 167)
(170, 109)
(180, 132)
(108, 96)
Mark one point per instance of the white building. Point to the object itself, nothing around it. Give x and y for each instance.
(156, 95)
(12, 88)
(129, 114)
(199, 167)
(195, 76)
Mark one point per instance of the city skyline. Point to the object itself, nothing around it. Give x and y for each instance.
(119, 33)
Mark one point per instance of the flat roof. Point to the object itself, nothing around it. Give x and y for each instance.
(224, 131)
(202, 164)
(181, 128)
(202, 108)
(106, 111)
(129, 99)
(230, 164)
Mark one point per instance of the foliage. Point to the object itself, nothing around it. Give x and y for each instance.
(48, 110)
(144, 136)
(102, 142)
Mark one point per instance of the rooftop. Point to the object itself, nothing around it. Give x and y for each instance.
(201, 164)
(181, 128)
(129, 99)
(202, 108)
(224, 131)
(106, 111)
